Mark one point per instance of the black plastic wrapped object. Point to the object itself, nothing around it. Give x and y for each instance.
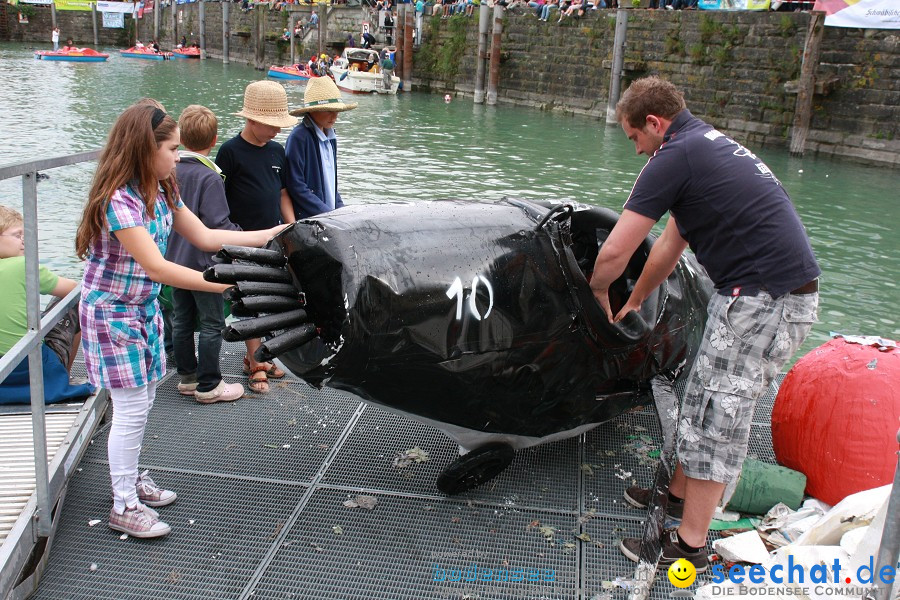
(250, 306)
(261, 288)
(249, 329)
(289, 340)
(260, 256)
(477, 316)
(234, 272)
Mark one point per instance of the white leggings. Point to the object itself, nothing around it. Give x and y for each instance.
(130, 409)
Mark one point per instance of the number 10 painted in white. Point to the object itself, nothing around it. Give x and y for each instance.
(456, 289)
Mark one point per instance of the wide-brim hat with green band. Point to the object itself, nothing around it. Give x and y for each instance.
(322, 94)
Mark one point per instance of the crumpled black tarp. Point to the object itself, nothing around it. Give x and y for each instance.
(472, 314)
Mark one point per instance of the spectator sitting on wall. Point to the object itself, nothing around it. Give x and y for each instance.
(576, 7)
(313, 20)
(545, 10)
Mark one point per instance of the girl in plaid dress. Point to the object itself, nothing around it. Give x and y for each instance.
(132, 207)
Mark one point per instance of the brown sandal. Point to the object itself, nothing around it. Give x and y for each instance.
(258, 381)
(272, 370)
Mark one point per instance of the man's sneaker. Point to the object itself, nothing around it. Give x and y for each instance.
(187, 387)
(224, 392)
(138, 521)
(640, 497)
(151, 494)
(671, 551)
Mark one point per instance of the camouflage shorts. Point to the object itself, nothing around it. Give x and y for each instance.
(61, 339)
(747, 341)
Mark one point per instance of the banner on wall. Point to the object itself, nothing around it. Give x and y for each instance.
(734, 4)
(116, 7)
(114, 20)
(867, 14)
(73, 4)
(47, 2)
(185, 1)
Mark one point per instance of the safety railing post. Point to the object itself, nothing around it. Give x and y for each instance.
(35, 364)
(889, 550)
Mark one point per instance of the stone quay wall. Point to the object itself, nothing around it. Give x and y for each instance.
(243, 28)
(735, 68)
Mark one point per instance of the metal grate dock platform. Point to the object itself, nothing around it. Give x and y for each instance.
(261, 484)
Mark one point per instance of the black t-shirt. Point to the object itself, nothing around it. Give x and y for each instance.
(254, 178)
(730, 208)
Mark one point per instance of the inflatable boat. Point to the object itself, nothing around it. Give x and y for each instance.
(71, 54)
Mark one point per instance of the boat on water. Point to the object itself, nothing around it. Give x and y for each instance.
(298, 72)
(358, 71)
(145, 53)
(189, 52)
(72, 54)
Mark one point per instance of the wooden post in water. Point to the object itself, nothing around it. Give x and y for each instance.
(323, 26)
(399, 42)
(615, 77)
(408, 28)
(292, 24)
(156, 17)
(494, 78)
(484, 21)
(803, 110)
(202, 29)
(94, 23)
(226, 31)
(260, 11)
(174, 30)
(53, 14)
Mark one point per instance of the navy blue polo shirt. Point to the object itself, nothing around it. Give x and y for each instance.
(733, 212)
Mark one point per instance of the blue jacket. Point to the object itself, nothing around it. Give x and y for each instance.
(305, 181)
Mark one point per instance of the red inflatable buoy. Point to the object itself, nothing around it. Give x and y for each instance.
(836, 418)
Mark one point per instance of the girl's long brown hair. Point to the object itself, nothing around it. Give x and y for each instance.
(128, 156)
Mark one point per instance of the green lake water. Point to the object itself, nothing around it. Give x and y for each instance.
(417, 147)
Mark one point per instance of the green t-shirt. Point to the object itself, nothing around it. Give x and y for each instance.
(13, 317)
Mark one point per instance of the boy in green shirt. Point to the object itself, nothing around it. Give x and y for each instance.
(61, 343)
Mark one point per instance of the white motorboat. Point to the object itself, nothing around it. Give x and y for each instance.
(358, 70)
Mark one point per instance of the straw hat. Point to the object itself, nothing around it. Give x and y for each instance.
(266, 102)
(322, 94)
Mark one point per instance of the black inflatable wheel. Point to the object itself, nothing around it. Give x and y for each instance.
(476, 467)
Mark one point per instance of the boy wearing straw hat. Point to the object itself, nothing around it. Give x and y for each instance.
(255, 184)
(312, 152)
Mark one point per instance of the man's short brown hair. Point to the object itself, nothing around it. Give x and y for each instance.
(649, 96)
(198, 126)
(9, 218)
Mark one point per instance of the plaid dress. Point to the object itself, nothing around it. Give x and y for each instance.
(121, 321)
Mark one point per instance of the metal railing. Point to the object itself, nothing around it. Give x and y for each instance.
(49, 480)
(889, 550)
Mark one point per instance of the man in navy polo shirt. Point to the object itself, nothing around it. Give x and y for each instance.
(726, 204)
